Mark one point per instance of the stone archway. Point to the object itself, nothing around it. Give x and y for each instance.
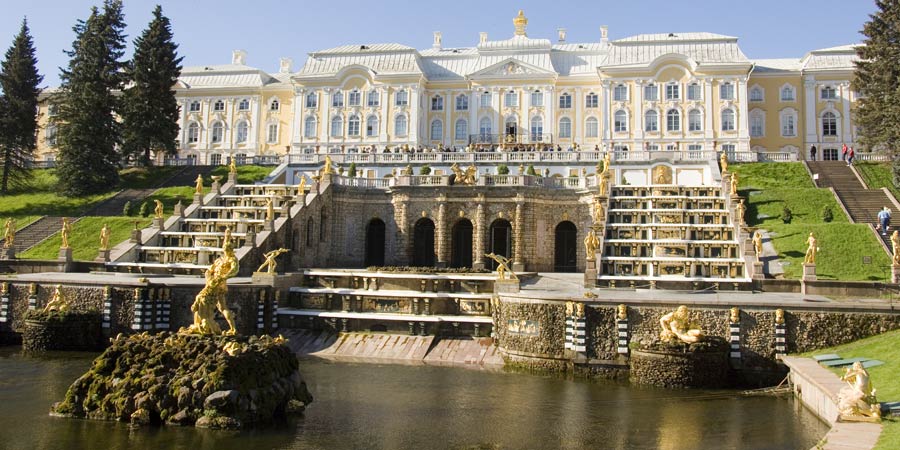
(500, 242)
(423, 243)
(461, 244)
(565, 247)
(374, 243)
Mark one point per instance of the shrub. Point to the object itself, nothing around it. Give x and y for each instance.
(827, 215)
(351, 172)
(425, 170)
(786, 215)
(531, 171)
(144, 211)
(502, 169)
(127, 210)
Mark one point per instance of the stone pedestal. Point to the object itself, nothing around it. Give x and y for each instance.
(159, 222)
(269, 225)
(136, 236)
(809, 272)
(8, 253)
(518, 267)
(506, 286)
(179, 209)
(895, 273)
(758, 273)
(198, 199)
(748, 247)
(216, 186)
(65, 254)
(232, 177)
(590, 274)
(250, 239)
(478, 265)
(103, 256)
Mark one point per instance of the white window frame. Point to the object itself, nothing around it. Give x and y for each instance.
(371, 126)
(592, 100)
(833, 123)
(337, 99)
(565, 128)
(244, 105)
(485, 130)
(728, 118)
(337, 127)
(272, 133)
(787, 88)
(651, 121)
(436, 130)
(673, 91)
(537, 98)
(461, 131)
(462, 102)
(761, 94)
(651, 92)
(788, 122)
(757, 123)
(217, 133)
(694, 91)
(191, 106)
(537, 128)
(312, 100)
(354, 98)
(437, 103)
(219, 106)
(373, 98)
(565, 101)
(401, 98)
(193, 133)
(620, 121)
(726, 91)
(673, 125)
(353, 125)
(310, 127)
(592, 127)
(485, 100)
(831, 90)
(695, 120)
(401, 125)
(242, 132)
(274, 105)
(620, 93)
(511, 99)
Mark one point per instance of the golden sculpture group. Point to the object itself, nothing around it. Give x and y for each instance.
(214, 294)
(856, 401)
(270, 263)
(675, 326)
(465, 177)
(591, 244)
(57, 301)
(503, 270)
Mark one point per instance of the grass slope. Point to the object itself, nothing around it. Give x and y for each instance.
(42, 198)
(85, 238)
(769, 187)
(884, 347)
(877, 175)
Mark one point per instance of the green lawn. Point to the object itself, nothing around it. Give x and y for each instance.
(884, 347)
(245, 174)
(877, 175)
(42, 198)
(147, 177)
(85, 238)
(769, 187)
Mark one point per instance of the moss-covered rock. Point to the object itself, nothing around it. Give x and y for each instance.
(228, 382)
(62, 330)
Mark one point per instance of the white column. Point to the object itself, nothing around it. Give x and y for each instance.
(577, 125)
(809, 112)
(229, 128)
(297, 120)
(495, 104)
(413, 122)
(743, 118)
(524, 103)
(473, 112)
(325, 119)
(846, 131)
(549, 118)
(449, 126)
(255, 120)
(637, 111)
(383, 123)
(604, 112)
(708, 113)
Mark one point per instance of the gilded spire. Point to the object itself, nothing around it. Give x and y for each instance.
(520, 22)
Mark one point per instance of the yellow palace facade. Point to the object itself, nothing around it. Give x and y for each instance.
(651, 92)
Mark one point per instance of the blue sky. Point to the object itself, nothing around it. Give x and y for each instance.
(207, 31)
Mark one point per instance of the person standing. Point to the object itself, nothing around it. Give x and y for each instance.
(844, 152)
(812, 153)
(850, 156)
(884, 220)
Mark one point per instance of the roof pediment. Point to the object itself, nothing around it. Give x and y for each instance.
(510, 67)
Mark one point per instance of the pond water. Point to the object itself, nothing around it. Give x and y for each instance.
(368, 406)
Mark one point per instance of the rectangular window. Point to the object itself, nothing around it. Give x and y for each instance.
(651, 92)
(590, 101)
(620, 93)
(565, 101)
(353, 98)
(787, 94)
(402, 98)
(726, 91)
(651, 122)
(694, 92)
(312, 100)
(787, 126)
(372, 98)
(437, 103)
(695, 121)
(756, 95)
(756, 126)
(591, 128)
(537, 99)
(486, 100)
(337, 99)
(462, 130)
(673, 92)
(195, 107)
(272, 133)
(729, 149)
(620, 123)
(565, 129)
(511, 99)
(462, 103)
(215, 159)
(695, 151)
(652, 147)
(829, 93)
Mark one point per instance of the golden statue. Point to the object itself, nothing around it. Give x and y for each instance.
(198, 184)
(662, 175)
(591, 243)
(232, 166)
(270, 262)
(327, 168)
(301, 186)
(215, 294)
(734, 184)
(735, 314)
(466, 177)
(723, 161)
(104, 237)
(10, 233)
(603, 185)
(503, 270)
(856, 401)
(570, 308)
(598, 212)
(606, 163)
(579, 310)
(675, 327)
(270, 209)
(408, 170)
(158, 210)
(758, 244)
(895, 247)
(622, 312)
(471, 172)
(811, 250)
(779, 316)
(57, 301)
(64, 232)
(739, 212)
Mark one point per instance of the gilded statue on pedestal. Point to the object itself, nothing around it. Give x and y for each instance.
(232, 165)
(598, 212)
(503, 270)
(104, 237)
(895, 247)
(214, 294)
(734, 315)
(723, 161)
(57, 301)
(606, 163)
(327, 168)
(198, 184)
(270, 209)
(301, 186)
(603, 185)
(779, 316)
(270, 263)
(466, 177)
(758, 244)
(856, 401)
(591, 243)
(64, 232)
(811, 250)
(734, 184)
(675, 326)
(739, 212)
(158, 210)
(622, 312)
(9, 234)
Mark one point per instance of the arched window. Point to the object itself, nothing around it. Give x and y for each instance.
(195, 106)
(323, 225)
(400, 125)
(620, 93)
(437, 103)
(312, 100)
(372, 98)
(726, 91)
(462, 130)
(337, 99)
(728, 120)
(337, 126)
(651, 120)
(788, 123)
(353, 125)
(218, 132)
(787, 94)
(310, 127)
(651, 92)
(243, 129)
(274, 105)
(371, 126)
(401, 98)
(219, 105)
(591, 127)
(353, 98)
(484, 127)
(437, 130)
(193, 133)
(695, 120)
(620, 121)
(244, 105)
(756, 94)
(757, 123)
(511, 99)
(537, 98)
(565, 101)
(462, 102)
(537, 128)
(565, 128)
(673, 120)
(829, 124)
(694, 92)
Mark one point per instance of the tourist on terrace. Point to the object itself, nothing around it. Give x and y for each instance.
(884, 220)
(844, 152)
(850, 155)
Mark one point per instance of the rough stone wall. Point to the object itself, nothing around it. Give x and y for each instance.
(550, 338)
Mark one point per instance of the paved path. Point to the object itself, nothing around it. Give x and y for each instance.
(771, 264)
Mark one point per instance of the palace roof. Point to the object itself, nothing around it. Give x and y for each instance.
(225, 76)
(833, 58)
(704, 48)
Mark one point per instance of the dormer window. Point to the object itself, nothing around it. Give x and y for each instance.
(194, 106)
(244, 105)
(275, 105)
(219, 105)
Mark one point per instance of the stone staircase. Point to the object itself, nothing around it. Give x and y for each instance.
(36, 232)
(861, 204)
(114, 205)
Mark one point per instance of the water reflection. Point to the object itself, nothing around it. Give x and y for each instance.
(362, 406)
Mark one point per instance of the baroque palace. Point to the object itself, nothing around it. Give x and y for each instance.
(652, 92)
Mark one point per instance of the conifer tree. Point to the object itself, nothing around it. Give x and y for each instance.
(149, 110)
(878, 82)
(88, 159)
(19, 80)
